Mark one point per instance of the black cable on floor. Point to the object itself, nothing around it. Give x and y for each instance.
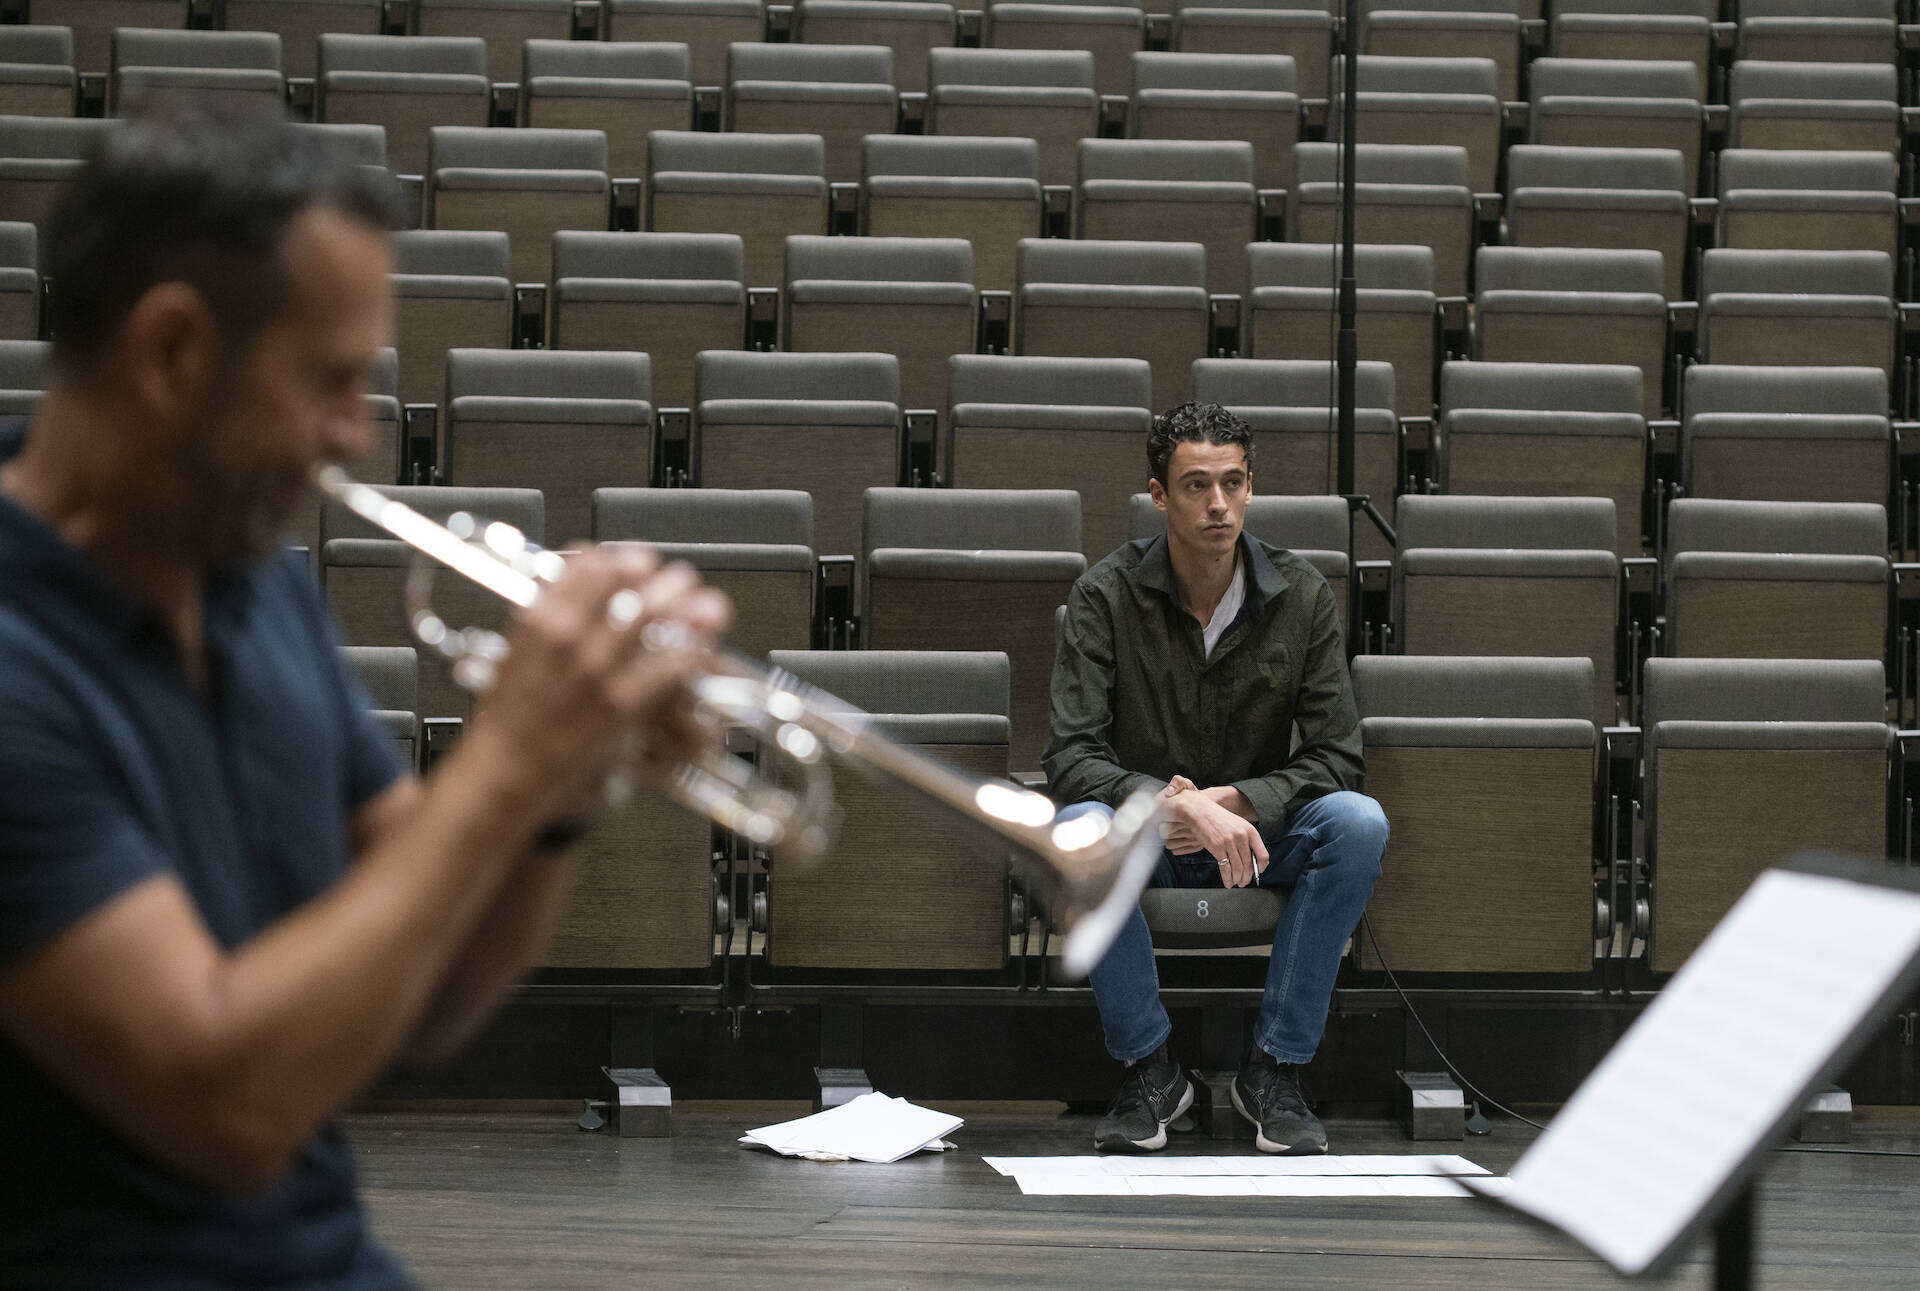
(1445, 1061)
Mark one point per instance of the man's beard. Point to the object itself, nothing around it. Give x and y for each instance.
(239, 517)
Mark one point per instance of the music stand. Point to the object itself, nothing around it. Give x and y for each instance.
(1668, 1134)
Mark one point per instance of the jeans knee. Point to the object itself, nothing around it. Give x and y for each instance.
(1359, 827)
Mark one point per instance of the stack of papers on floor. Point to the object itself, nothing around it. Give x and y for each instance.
(1241, 1176)
(872, 1127)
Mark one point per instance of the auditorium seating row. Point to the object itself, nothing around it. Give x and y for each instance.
(1743, 762)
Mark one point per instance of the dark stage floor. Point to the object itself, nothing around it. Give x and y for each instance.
(523, 1200)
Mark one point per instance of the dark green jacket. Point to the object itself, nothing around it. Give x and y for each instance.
(1134, 702)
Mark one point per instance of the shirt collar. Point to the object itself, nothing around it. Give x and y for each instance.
(1264, 582)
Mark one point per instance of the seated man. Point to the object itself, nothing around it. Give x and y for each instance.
(1190, 660)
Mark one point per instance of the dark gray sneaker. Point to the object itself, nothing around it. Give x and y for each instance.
(1154, 1092)
(1267, 1092)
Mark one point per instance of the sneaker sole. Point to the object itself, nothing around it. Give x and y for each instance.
(1159, 1140)
(1260, 1139)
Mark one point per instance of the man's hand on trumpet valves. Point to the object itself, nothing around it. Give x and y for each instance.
(597, 670)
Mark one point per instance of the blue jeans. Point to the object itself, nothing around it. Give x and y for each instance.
(1328, 851)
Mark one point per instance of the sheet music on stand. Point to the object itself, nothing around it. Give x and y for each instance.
(1677, 1118)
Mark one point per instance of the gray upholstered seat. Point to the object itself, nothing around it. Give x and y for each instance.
(1617, 103)
(1814, 105)
(1171, 191)
(1427, 99)
(1406, 194)
(1447, 29)
(839, 92)
(1776, 580)
(944, 907)
(1249, 97)
(1837, 201)
(361, 144)
(1499, 880)
(708, 28)
(561, 421)
(1111, 31)
(756, 545)
(506, 25)
(959, 569)
(300, 23)
(391, 677)
(93, 22)
(1144, 300)
(626, 88)
(409, 84)
(1807, 434)
(1573, 305)
(242, 65)
(910, 28)
(1602, 197)
(528, 183)
(1047, 96)
(451, 290)
(1052, 423)
(670, 295)
(1298, 29)
(37, 156)
(23, 376)
(1798, 307)
(826, 423)
(764, 187)
(984, 189)
(37, 76)
(1503, 575)
(1545, 430)
(19, 281)
(1827, 31)
(1749, 761)
(1639, 30)
(913, 298)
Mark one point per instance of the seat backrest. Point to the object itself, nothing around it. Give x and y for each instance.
(1808, 170)
(1394, 74)
(609, 60)
(1117, 264)
(51, 46)
(820, 64)
(1420, 165)
(1764, 690)
(1532, 524)
(703, 152)
(1797, 528)
(1370, 7)
(19, 245)
(955, 156)
(1289, 383)
(61, 138)
(1026, 68)
(1612, 78)
(971, 519)
(1726, 387)
(839, 259)
(419, 55)
(360, 143)
(1542, 387)
(1226, 73)
(748, 374)
(549, 374)
(524, 509)
(1310, 264)
(1499, 268)
(1532, 165)
(763, 516)
(1880, 9)
(1504, 687)
(1007, 379)
(1703, 10)
(1839, 273)
(1166, 160)
(23, 365)
(522, 149)
(659, 256)
(160, 47)
(389, 674)
(1827, 82)
(924, 682)
(1301, 6)
(451, 253)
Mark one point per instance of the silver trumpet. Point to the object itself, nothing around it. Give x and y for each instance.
(1090, 870)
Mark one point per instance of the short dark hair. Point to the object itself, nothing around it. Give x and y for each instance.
(193, 190)
(1194, 423)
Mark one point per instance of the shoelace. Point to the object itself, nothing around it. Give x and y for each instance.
(1137, 1090)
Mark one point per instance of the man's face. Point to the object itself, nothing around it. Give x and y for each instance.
(1205, 497)
(297, 397)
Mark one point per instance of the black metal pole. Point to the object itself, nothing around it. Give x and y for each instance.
(1349, 345)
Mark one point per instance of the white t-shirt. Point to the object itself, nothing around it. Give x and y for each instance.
(1229, 608)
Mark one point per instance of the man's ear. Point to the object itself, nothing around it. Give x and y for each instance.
(169, 351)
(1157, 492)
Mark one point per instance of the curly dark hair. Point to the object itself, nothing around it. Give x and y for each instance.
(1194, 423)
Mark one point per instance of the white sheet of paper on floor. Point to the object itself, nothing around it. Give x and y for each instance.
(1720, 1057)
(1242, 1176)
(872, 1127)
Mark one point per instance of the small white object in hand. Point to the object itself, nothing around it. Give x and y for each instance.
(624, 609)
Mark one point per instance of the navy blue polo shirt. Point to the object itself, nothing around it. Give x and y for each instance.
(114, 769)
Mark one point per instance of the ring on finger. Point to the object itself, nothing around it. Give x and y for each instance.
(664, 634)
